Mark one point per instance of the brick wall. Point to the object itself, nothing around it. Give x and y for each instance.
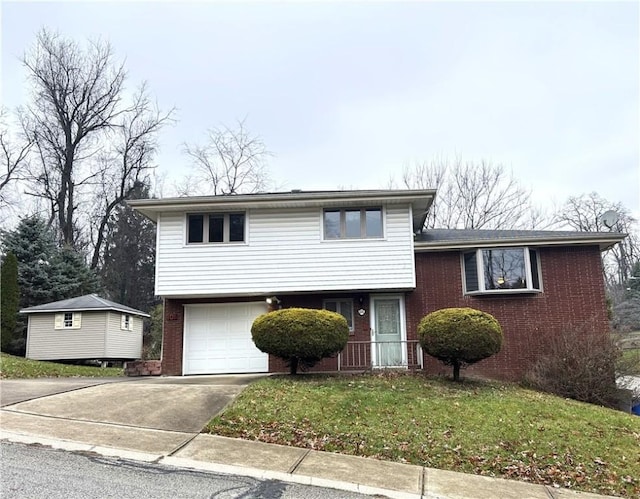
(143, 368)
(173, 327)
(361, 327)
(573, 297)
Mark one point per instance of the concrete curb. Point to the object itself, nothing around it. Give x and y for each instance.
(178, 462)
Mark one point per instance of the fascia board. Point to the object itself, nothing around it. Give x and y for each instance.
(604, 243)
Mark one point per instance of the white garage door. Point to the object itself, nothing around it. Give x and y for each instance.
(217, 339)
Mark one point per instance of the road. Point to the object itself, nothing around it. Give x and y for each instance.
(32, 471)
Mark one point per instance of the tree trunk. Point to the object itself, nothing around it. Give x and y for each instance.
(456, 370)
(293, 365)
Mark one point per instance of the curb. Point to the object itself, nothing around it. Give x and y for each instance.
(192, 464)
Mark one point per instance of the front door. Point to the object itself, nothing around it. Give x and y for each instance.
(388, 346)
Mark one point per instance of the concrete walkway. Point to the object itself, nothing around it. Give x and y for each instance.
(66, 421)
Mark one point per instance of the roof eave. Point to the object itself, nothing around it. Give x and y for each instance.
(76, 309)
(603, 243)
(151, 207)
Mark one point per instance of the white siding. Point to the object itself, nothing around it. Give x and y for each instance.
(122, 344)
(100, 337)
(46, 343)
(284, 252)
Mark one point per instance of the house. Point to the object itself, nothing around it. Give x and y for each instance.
(222, 261)
(86, 327)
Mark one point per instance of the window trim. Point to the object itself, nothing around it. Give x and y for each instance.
(363, 223)
(226, 227)
(126, 322)
(60, 320)
(482, 290)
(343, 300)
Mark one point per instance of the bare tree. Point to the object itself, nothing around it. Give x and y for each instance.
(473, 195)
(584, 213)
(15, 155)
(77, 97)
(232, 161)
(127, 165)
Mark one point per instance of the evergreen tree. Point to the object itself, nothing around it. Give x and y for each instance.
(70, 275)
(9, 301)
(34, 246)
(45, 272)
(128, 268)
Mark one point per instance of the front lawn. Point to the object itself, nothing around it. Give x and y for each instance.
(19, 367)
(474, 427)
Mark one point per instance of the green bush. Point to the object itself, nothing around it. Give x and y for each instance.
(300, 336)
(460, 336)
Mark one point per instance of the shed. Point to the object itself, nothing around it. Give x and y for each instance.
(85, 327)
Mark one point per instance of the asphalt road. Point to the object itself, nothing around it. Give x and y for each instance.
(41, 472)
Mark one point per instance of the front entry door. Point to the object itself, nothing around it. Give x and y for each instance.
(388, 348)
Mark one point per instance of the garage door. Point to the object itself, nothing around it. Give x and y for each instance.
(217, 339)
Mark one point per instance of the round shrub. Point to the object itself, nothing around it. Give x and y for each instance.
(300, 336)
(460, 336)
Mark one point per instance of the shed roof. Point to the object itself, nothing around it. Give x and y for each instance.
(439, 239)
(81, 304)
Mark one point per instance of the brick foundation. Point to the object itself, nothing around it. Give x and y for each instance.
(143, 368)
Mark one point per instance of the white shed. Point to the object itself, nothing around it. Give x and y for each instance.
(86, 327)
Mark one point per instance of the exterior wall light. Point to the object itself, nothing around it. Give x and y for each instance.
(273, 300)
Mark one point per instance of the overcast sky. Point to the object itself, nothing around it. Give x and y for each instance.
(347, 93)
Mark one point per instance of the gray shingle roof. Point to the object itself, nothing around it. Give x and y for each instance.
(82, 303)
(454, 238)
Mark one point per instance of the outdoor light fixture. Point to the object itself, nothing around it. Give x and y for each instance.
(273, 300)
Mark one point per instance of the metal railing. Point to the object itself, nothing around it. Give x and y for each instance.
(361, 355)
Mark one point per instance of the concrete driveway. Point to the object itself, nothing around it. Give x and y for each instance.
(151, 414)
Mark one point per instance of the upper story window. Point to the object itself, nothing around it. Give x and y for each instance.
(352, 223)
(68, 320)
(215, 228)
(343, 306)
(495, 270)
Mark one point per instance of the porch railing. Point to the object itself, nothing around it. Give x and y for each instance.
(360, 355)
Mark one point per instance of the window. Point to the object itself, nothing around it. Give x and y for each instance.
(68, 320)
(215, 227)
(352, 223)
(501, 270)
(126, 322)
(343, 306)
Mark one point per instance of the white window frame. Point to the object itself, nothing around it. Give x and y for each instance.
(482, 289)
(68, 320)
(226, 228)
(349, 302)
(126, 322)
(343, 224)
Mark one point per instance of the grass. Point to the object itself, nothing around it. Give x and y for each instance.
(473, 427)
(18, 367)
(631, 361)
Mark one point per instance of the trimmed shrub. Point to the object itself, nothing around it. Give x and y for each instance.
(579, 365)
(300, 336)
(460, 336)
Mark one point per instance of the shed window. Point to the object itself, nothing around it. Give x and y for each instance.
(126, 322)
(68, 320)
